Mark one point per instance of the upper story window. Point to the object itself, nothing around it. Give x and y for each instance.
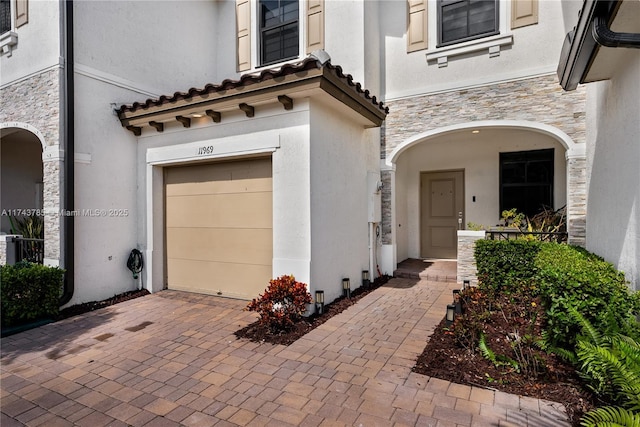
(5, 16)
(279, 30)
(463, 20)
(13, 15)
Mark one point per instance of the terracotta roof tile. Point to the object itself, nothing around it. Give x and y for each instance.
(310, 63)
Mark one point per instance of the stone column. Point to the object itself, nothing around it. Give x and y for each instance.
(52, 165)
(467, 269)
(577, 196)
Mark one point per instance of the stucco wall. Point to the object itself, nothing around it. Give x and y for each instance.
(613, 156)
(166, 46)
(342, 153)
(105, 159)
(38, 47)
(535, 50)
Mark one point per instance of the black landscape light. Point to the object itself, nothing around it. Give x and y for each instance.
(319, 302)
(346, 287)
(365, 278)
(451, 313)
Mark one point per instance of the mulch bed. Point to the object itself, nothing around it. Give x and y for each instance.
(86, 307)
(259, 333)
(445, 357)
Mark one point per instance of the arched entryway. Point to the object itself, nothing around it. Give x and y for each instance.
(449, 177)
(21, 176)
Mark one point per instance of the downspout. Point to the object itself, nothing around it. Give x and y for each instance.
(605, 37)
(69, 150)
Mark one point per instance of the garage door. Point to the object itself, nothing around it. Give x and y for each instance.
(219, 227)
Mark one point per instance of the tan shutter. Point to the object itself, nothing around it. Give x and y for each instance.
(243, 28)
(22, 12)
(417, 28)
(315, 25)
(523, 13)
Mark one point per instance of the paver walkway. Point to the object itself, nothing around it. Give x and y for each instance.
(171, 359)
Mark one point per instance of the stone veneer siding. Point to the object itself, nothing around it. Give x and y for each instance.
(36, 101)
(466, 265)
(538, 99)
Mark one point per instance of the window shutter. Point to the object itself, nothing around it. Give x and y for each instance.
(523, 13)
(243, 34)
(315, 25)
(417, 29)
(22, 12)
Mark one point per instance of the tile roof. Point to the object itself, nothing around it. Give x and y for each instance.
(309, 63)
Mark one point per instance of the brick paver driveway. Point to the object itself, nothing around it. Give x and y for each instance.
(171, 359)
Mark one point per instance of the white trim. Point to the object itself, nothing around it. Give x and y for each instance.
(472, 233)
(82, 158)
(114, 80)
(8, 41)
(555, 133)
(35, 73)
(27, 127)
(233, 146)
(492, 44)
(455, 86)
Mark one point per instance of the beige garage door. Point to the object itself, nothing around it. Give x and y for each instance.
(219, 227)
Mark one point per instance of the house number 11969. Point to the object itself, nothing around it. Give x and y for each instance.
(205, 150)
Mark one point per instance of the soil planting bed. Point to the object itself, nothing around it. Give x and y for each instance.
(445, 357)
(260, 333)
(86, 307)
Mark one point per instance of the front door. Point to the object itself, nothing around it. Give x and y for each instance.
(441, 212)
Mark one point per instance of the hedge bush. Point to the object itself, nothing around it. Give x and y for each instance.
(570, 276)
(564, 276)
(29, 291)
(503, 264)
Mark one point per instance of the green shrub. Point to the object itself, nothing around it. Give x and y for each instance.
(283, 303)
(569, 276)
(505, 264)
(29, 291)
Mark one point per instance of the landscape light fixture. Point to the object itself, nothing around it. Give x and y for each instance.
(346, 287)
(456, 301)
(365, 278)
(451, 313)
(466, 284)
(319, 302)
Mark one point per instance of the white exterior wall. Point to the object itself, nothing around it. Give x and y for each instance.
(124, 53)
(613, 176)
(342, 153)
(535, 51)
(38, 47)
(344, 36)
(479, 157)
(105, 159)
(160, 46)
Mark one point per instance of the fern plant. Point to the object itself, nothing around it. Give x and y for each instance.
(611, 417)
(610, 363)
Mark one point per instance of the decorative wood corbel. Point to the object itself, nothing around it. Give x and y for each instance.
(137, 131)
(186, 121)
(159, 126)
(215, 116)
(248, 109)
(286, 101)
